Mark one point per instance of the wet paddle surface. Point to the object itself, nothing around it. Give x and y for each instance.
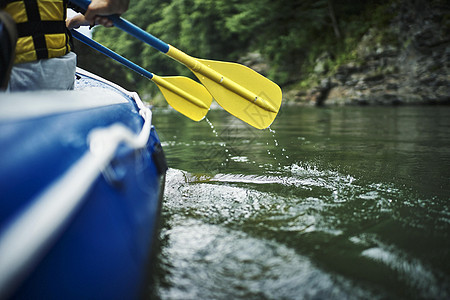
(330, 203)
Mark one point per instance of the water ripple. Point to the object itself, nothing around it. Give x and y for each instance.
(314, 220)
(211, 262)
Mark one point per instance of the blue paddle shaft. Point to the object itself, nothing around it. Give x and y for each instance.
(102, 49)
(129, 28)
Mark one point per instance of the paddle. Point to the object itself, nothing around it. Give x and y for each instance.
(183, 94)
(241, 91)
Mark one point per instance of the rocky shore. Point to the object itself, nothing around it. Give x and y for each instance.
(406, 63)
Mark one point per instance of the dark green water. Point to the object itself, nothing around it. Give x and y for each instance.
(340, 203)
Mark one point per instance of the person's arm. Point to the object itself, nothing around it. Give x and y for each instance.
(99, 8)
(96, 12)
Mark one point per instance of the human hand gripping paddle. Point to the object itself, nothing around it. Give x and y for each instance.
(183, 94)
(241, 91)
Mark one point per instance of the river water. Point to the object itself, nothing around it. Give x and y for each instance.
(330, 203)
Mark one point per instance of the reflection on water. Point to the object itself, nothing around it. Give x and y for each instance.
(338, 203)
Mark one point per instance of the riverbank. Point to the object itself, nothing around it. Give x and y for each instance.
(384, 52)
(406, 62)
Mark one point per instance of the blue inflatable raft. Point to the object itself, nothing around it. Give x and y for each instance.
(81, 180)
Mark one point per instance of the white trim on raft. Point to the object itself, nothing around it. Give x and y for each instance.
(141, 105)
(29, 236)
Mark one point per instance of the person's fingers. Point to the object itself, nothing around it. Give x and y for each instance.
(69, 24)
(76, 21)
(109, 23)
(93, 10)
(99, 20)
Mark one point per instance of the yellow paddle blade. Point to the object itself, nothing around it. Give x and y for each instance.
(185, 96)
(242, 92)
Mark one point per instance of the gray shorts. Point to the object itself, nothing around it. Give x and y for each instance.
(45, 74)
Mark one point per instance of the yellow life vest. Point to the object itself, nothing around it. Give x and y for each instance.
(41, 28)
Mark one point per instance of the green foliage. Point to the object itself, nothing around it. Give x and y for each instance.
(290, 34)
